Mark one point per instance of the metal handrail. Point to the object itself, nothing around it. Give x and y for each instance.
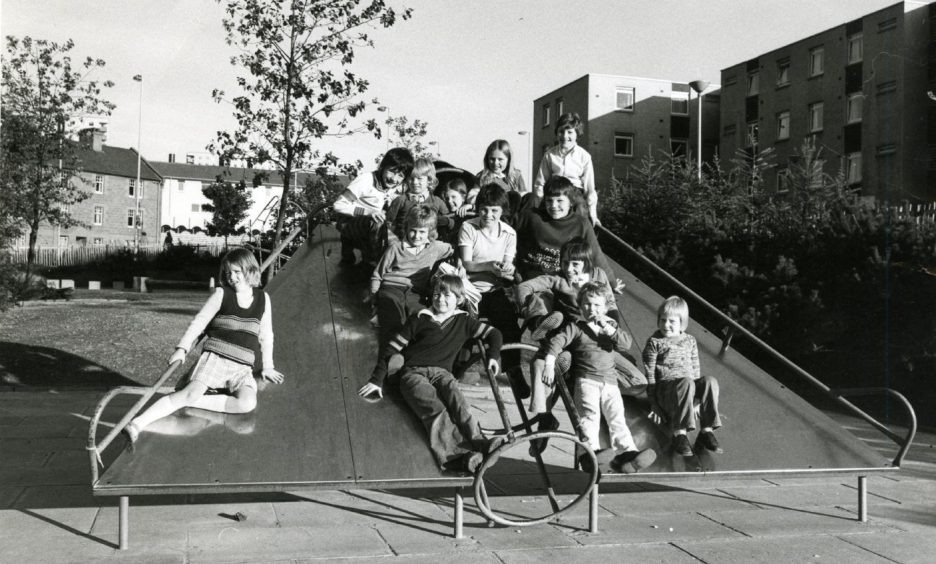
(275, 253)
(95, 449)
(736, 328)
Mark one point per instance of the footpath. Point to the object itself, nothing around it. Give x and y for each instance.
(47, 512)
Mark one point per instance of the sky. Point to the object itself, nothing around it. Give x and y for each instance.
(470, 68)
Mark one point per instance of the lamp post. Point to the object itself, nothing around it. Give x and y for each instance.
(438, 147)
(138, 188)
(529, 137)
(699, 86)
(390, 120)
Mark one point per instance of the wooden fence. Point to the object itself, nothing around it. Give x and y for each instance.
(918, 213)
(71, 256)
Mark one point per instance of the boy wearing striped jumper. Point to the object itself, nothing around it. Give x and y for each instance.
(429, 343)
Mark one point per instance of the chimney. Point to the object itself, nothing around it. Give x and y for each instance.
(171, 157)
(92, 138)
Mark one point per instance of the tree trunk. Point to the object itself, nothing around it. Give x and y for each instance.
(31, 253)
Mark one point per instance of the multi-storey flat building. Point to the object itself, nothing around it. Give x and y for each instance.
(626, 119)
(858, 90)
(109, 177)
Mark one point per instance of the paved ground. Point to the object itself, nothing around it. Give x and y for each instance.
(47, 513)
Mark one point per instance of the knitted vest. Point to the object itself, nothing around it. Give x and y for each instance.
(234, 331)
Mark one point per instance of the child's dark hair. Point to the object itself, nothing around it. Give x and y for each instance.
(502, 146)
(569, 120)
(422, 216)
(558, 186)
(578, 248)
(492, 195)
(449, 283)
(398, 159)
(455, 184)
(594, 289)
(243, 259)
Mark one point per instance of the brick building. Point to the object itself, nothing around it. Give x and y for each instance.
(858, 90)
(627, 118)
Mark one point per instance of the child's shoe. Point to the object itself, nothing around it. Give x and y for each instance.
(473, 461)
(132, 433)
(586, 464)
(563, 363)
(550, 322)
(633, 461)
(681, 445)
(707, 440)
(548, 422)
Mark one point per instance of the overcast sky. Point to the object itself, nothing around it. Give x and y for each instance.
(470, 68)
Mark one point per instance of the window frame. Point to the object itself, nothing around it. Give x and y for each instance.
(618, 90)
(850, 106)
(753, 83)
(812, 61)
(854, 39)
(853, 165)
(547, 107)
(624, 137)
(131, 187)
(680, 97)
(98, 215)
(560, 106)
(813, 128)
(752, 134)
(783, 72)
(684, 142)
(98, 183)
(781, 118)
(131, 216)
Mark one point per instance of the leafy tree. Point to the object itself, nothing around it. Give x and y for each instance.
(44, 95)
(408, 135)
(298, 86)
(230, 202)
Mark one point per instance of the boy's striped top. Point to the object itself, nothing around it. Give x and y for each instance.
(234, 332)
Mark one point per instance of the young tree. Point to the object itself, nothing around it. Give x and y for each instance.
(44, 94)
(408, 135)
(230, 202)
(298, 86)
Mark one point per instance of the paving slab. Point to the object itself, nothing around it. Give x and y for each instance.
(529, 507)
(46, 523)
(915, 517)
(52, 496)
(792, 521)
(238, 544)
(173, 518)
(822, 495)
(342, 508)
(898, 547)
(503, 538)
(420, 538)
(42, 549)
(662, 528)
(655, 502)
(467, 557)
(648, 553)
(817, 548)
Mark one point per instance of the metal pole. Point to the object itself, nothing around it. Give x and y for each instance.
(699, 142)
(138, 187)
(863, 499)
(459, 514)
(593, 510)
(123, 524)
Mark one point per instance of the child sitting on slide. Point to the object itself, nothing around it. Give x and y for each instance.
(429, 343)
(419, 187)
(238, 321)
(592, 341)
(674, 380)
(401, 279)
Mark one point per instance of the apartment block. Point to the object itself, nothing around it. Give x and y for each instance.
(627, 119)
(859, 91)
(109, 177)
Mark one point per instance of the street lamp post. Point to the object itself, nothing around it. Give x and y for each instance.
(138, 188)
(529, 137)
(699, 86)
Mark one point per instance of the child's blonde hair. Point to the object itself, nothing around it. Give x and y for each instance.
(422, 216)
(424, 167)
(246, 261)
(595, 289)
(674, 305)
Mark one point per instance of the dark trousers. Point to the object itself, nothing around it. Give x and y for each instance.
(360, 232)
(394, 305)
(676, 397)
(433, 395)
(497, 308)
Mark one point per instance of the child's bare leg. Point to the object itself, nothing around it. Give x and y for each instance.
(166, 405)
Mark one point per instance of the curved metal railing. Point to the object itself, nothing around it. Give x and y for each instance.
(735, 328)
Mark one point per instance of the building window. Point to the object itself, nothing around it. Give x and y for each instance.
(63, 241)
(546, 109)
(196, 208)
(730, 80)
(98, 183)
(623, 145)
(131, 213)
(97, 241)
(816, 61)
(855, 48)
(783, 181)
(753, 84)
(815, 117)
(181, 184)
(853, 168)
(131, 187)
(753, 134)
(783, 126)
(853, 108)
(680, 103)
(98, 215)
(560, 107)
(887, 25)
(624, 98)
(679, 147)
(783, 72)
